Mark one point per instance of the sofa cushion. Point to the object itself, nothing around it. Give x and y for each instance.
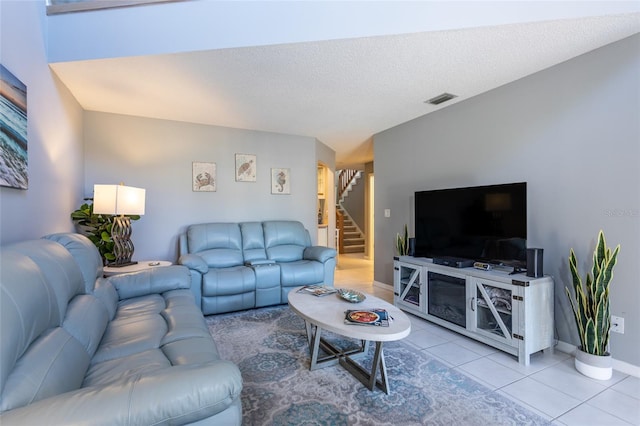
(55, 363)
(86, 320)
(42, 359)
(219, 244)
(136, 328)
(84, 253)
(121, 368)
(151, 281)
(253, 242)
(302, 272)
(107, 294)
(26, 310)
(63, 276)
(285, 241)
(227, 281)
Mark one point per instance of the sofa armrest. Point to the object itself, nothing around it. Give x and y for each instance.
(151, 281)
(319, 253)
(176, 395)
(193, 261)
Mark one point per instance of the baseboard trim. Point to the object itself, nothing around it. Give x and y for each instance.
(621, 366)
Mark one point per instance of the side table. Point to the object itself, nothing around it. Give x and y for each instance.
(140, 266)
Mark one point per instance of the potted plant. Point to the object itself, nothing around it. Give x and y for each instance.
(96, 227)
(402, 242)
(590, 305)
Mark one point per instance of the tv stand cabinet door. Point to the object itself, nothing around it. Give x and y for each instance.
(409, 287)
(494, 311)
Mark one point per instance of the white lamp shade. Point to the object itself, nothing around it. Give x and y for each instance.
(118, 199)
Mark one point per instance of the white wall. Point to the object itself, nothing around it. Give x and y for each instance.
(327, 157)
(157, 155)
(571, 132)
(54, 131)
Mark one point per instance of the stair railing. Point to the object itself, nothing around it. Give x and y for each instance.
(344, 179)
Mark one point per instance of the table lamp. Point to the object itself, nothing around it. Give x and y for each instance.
(119, 201)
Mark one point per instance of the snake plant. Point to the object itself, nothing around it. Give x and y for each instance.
(402, 242)
(590, 303)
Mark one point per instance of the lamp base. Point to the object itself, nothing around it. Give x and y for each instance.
(120, 265)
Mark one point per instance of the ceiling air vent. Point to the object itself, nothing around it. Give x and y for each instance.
(440, 99)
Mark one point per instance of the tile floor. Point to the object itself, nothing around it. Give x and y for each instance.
(549, 386)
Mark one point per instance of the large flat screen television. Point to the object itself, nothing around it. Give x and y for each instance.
(480, 223)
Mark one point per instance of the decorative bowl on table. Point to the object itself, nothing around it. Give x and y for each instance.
(352, 296)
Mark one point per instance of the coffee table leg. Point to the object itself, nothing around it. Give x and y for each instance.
(308, 327)
(314, 345)
(369, 378)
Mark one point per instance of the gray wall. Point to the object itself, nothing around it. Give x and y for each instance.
(572, 133)
(157, 155)
(54, 131)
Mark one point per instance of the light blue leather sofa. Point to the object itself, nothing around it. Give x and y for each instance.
(236, 266)
(132, 349)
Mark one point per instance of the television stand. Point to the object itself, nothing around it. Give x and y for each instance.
(454, 262)
(511, 313)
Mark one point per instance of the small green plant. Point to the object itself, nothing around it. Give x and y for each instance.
(590, 303)
(96, 227)
(402, 242)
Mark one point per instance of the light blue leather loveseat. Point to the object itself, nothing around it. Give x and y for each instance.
(236, 266)
(77, 348)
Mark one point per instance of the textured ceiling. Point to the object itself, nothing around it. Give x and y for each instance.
(341, 91)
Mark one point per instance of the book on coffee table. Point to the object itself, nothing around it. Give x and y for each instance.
(374, 317)
(318, 290)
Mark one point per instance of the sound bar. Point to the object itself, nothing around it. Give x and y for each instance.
(455, 262)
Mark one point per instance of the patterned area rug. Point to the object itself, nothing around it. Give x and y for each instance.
(270, 347)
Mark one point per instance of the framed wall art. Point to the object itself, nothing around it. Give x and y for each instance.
(281, 181)
(204, 177)
(14, 171)
(245, 168)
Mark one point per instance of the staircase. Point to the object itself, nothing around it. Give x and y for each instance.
(352, 238)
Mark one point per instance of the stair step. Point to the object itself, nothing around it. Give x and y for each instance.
(353, 249)
(354, 242)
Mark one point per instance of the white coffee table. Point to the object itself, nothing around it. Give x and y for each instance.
(328, 313)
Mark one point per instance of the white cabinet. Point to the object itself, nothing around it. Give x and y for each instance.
(323, 236)
(513, 313)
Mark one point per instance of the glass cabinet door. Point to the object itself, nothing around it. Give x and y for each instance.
(408, 286)
(494, 310)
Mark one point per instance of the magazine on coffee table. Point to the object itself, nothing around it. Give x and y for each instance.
(318, 290)
(375, 317)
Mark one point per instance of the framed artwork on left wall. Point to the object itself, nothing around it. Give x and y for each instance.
(14, 171)
(203, 177)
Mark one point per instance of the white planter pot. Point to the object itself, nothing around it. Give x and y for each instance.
(595, 366)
